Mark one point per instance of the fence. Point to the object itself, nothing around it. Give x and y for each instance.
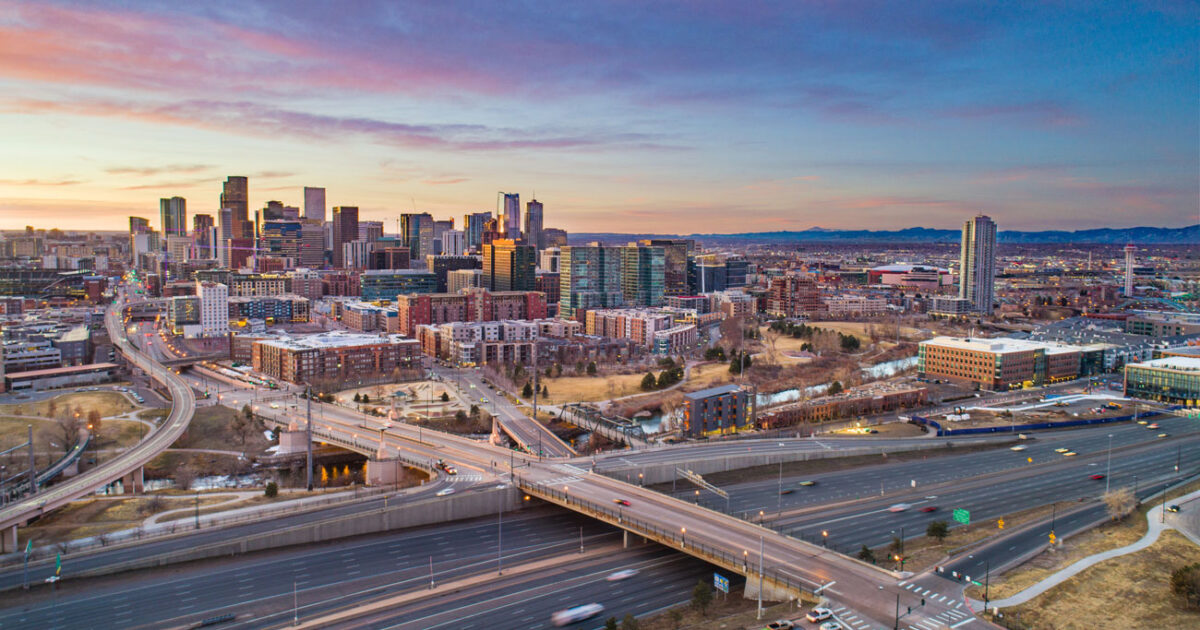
(1014, 428)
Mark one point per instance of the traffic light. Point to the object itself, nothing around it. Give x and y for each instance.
(1000, 523)
(1052, 538)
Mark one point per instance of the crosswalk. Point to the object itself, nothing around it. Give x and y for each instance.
(467, 478)
(951, 613)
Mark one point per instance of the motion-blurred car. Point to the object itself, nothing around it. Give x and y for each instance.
(899, 507)
(621, 502)
(808, 482)
(1096, 476)
(929, 508)
(621, 575)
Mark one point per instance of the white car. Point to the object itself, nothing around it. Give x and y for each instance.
(818, 614)
(900, 507)
(1017, 448)
(447, 491)
(578, 613)
(831, 625)
(621, 575)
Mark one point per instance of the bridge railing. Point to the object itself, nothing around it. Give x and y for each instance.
(744, 563)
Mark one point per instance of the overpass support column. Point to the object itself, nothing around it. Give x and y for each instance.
(625, 538)
(8, 544)
(134, 482)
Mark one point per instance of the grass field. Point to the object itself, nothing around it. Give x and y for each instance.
(1135, 585)
(212, 428)
(885, 329)
(708, 375)
(107, 403)
(569, 389)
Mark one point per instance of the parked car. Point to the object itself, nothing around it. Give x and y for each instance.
(781, 624)
(1172, 508)
(819, 614)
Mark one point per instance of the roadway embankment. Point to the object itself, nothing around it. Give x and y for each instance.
(400, 515)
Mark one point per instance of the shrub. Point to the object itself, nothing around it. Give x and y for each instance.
(866, 555)
(272, 490)
(938, 530)
(649, 382)
(445, 396)
(701, 597)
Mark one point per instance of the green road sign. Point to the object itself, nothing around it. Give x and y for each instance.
(962, 516)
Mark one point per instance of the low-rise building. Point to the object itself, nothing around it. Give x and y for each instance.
(335, 356)
(1163, 324)
(387, 284)
(717, 410)
(951, 307)
(1000, 363)
(855, 305)
(475, 305)
(1174, 380)
(274, 309)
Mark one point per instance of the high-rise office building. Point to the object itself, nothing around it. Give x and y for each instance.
(204, 234)
(173, 216)
(416, 232)
(312, 244)
(345, 230)
(370, 231)
(642, 275)
(554, 237)
(509, 211)
(314, 204)
(454, 243)
(236, 195)
(977, 263)
(589, 278)
(533, 224)
(138, 224)
(473, 226)
(442, 265)
(675, 264)
(509, 265)
(1130, 251)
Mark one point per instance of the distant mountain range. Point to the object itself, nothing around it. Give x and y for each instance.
(1136, 235)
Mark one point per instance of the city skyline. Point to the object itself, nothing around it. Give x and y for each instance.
(649, 118)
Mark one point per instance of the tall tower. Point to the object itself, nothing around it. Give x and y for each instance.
(345, 230)
(510, 214)
(977, 263)
(314, 204)
(1129, 252)
(533, 224)
(173, 216)
(235, 194)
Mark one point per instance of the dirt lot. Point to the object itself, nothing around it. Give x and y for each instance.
(1136, 584)
(107, 403)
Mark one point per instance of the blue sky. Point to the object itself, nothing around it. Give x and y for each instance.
(621, 116)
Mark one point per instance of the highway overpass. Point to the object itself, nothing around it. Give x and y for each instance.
(183, 405)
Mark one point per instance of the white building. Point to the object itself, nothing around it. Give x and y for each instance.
(214, 308)
(844, 305)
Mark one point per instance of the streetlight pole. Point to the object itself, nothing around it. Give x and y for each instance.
(779, 508)
(500, 539)
(761, 545)
(1108, 466)
(309, 441)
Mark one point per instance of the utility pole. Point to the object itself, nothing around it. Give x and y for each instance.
(1108, 466)
(535, 393)
(33, 473)
(779, 508)
(500, 539)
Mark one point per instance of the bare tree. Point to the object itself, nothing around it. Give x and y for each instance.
(185, 475)
(68, 429)
(1119, 503)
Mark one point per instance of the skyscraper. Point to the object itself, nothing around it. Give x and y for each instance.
(509, 211)
(533, 224)
(204, 234)
(473, 226)
(345, 230)
(236, 195)
(509, 265)
(589, 278)
(173, 216)
(1130, 250)
(977, 263)
(416, 233)
(314, 204)
(642, 275)
(675, 263)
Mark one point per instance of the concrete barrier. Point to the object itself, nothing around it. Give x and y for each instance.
(399, 516)
(664, 473)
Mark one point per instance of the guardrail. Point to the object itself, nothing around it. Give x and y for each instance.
(773, 578)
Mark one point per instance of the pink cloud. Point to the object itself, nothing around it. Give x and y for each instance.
(1040, 113)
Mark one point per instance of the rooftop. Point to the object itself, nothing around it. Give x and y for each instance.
(712, 391)
(1000, 345)
(336, 339)
(1188, 364)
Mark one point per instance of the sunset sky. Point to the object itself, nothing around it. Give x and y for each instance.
(622, 116)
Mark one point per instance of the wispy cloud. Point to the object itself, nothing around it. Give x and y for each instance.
(41, 182)
(159, 170)
(1043, 113)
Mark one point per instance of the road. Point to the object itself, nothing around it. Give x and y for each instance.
(183, 406)
(532, 435)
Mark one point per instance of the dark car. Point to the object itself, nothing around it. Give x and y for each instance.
(787, 491)
(1172, 508)
(929, 508)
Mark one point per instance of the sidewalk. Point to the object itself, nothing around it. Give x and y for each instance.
(1153, 529)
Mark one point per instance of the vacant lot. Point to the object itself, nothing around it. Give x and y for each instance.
(107, 403)
(1136, 584)
(94, 517)
(862, 330)
(220, 428)
(568, 389)
(708, 375)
